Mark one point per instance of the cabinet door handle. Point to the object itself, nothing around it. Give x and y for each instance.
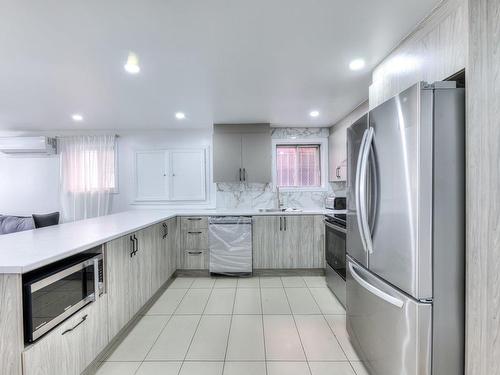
(284, 218)
(194, 252)
(281, 223)
(194, 232)
(240, 174)
(165, 230)
(84, 318)
(244, 174)
(132, 242)
(338, 172)
(136, 244)
(194, 218)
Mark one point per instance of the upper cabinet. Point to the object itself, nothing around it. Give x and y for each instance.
(171, 175)
(242, 153)
(337, 153)
(337, 144)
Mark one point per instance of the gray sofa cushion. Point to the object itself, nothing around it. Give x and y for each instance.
(11, 224)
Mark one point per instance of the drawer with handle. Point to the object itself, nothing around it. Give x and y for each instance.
(194, 222)
(195, 239)
(69, 348)
(195, 259)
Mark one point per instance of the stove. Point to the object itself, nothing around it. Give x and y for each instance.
(335, 250)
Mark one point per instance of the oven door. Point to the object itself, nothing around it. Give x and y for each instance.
(50, 299)
(335, 247)
(336, 260)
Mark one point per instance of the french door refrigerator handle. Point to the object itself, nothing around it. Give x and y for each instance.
(357, 189)
(375, 291)
(365, 227)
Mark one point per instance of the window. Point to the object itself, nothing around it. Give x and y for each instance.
(88, 164)
(298, 165)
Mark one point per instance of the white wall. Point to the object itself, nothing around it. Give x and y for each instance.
(29, 185)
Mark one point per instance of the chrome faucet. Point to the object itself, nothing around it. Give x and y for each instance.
(278, 198)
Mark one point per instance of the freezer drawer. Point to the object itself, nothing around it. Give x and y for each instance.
(390, 331)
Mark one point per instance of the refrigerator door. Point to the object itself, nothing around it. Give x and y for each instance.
(390, 332)
(354, 243)
(401, 160)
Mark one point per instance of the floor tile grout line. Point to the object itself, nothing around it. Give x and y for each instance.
(170, 318)
(196, 330)
(298, 334)
(229, 332)
(322, 313)
(263, 329)
(334, 335)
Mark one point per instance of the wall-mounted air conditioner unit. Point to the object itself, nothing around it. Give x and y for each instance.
(28, 145)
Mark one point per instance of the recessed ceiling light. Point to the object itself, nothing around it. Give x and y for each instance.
(132, 65)
(357, 64)
(314, 113)
(77, 117)
(180, 116)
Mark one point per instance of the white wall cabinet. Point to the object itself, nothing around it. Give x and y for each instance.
(171, 175)
(337, 143)
(188, 175)
(337, 153)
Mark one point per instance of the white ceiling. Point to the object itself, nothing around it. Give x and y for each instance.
(216, 60)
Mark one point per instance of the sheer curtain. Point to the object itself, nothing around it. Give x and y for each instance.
(87, 175)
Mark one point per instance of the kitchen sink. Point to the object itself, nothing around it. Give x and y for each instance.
(280, 210)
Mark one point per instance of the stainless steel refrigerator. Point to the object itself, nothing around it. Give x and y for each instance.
(405, 233)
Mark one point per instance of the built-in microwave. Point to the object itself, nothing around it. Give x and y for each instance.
(53, 293)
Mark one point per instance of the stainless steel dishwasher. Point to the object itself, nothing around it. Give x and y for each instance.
(230, 243)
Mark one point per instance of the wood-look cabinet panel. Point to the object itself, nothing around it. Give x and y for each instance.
(195, 239)
(194, 223)
(195, 259)
(264, 238)
(11, 329)
(287, 242)
(159, 256)
(119, 264)
(483, 189)
(72, 346)
(434, 51)
(173, 238)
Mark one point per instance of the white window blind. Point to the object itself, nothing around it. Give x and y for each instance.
(298, 165)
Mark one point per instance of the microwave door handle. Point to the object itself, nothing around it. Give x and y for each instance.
(357, 189)
(362, 191)
(373, 290)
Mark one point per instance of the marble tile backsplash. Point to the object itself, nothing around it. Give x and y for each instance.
(231, 196)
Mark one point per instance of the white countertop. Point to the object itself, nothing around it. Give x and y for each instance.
(25, 251)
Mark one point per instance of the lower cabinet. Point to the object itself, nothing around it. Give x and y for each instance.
(193, 251)
(72, 346)
(164, 252)
(119, 254)
(292, 241)
(137, 265)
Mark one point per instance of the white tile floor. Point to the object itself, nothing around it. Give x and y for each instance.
(252, 326)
